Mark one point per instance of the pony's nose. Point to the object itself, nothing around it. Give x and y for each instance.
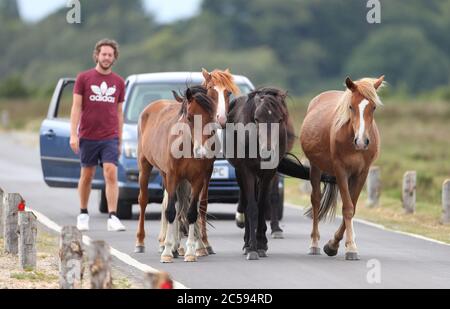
(222, 120)
(355, 141)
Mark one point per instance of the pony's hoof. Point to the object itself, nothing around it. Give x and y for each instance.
(175, 254)
(330, 251)
(262, 253)
(201, 252)
(246, 250)
(181, 251)
(210, 250)
(166, 259)
(190, 258)
(252, 255)
(161, 249)
(277, 235)
(314, 251)
(139, 249)
(240, 220)
(352, 256)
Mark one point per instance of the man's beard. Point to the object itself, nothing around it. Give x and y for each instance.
(106, 67)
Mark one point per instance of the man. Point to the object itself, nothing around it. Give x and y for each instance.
(96, 122)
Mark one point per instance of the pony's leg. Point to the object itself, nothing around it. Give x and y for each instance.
(240, 212)
(144, 173)
(169, 242)
(315, 173)
(163, 228)
(263, 202)
(192, 216)
(251, 213)
(276, 231)
(351, 251)
(355, 186)
(203, 246)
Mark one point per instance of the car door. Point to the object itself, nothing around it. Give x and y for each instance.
(60, 165)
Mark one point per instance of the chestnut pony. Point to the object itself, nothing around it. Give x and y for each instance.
(339, 136)
(156, 140)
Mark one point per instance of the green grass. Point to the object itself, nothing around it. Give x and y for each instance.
(34, 276)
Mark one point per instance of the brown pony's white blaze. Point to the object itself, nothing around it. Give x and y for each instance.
(361, 103)
(340, 137)
(220, 86)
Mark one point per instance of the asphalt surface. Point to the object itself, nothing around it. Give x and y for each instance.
(388, 259)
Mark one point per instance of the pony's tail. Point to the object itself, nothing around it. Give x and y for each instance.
(183, 194)
(294, 168)
(328, 202)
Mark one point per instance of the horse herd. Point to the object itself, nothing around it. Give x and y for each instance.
(339, 137)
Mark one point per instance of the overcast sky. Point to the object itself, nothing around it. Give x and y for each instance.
(164, 10)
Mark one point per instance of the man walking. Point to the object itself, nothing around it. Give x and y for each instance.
(96, 122)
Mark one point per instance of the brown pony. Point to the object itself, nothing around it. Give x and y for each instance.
(156, 140)
(340, 137)
(219, 85)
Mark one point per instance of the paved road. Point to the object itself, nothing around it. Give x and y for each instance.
(403, 261)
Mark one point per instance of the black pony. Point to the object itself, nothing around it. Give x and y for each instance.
(257, 165)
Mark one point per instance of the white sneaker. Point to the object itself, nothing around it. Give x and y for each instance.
(83, 222)
(114, 224)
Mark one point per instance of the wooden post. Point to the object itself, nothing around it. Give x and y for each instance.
(2, 209)
(373, 187)
(409, 191)
(100, 265)
(70, 258)
(446, 202)
(27, 239)
(11, 223)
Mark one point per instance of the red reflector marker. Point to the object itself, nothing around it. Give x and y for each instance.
(21, 206)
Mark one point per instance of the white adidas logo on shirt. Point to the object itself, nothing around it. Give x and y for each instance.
(103, 93)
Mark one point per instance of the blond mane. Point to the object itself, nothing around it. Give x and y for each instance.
(366, 89)
(224, 79)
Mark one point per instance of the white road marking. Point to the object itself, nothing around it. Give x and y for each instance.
(379, 226)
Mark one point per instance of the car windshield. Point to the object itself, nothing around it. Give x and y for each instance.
(144, 94)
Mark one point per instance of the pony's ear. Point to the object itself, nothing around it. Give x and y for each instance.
(177, 97)
(206, 74)
(189, 96)
(284, 94)
(379, 82)
(350, 84)
(227, 70)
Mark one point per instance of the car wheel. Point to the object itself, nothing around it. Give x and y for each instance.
(124, 209)
(103, 204)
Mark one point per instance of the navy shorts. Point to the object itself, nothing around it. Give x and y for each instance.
(93, 153)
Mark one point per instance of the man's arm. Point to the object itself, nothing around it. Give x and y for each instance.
(75, 115)
(120, 115)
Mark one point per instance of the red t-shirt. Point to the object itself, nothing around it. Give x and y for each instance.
(99, 111)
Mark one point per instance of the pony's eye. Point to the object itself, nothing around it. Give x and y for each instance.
(374, 108)
(351, 107)
(228, 93)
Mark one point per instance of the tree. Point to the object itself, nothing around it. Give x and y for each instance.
(404, 55)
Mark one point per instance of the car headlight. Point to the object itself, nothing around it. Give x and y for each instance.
(130, 149)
